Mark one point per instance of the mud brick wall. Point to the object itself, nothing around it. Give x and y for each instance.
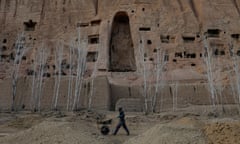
(24, 99)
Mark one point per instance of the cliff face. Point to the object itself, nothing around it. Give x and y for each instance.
(123, 37)
(175, 25)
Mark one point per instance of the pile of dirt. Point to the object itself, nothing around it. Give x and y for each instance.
(52, 128)
(223, 132)
(24, 122)
(49, 132)
(183, 131)
(91, 115)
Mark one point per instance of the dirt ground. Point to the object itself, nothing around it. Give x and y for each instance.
(178, 127)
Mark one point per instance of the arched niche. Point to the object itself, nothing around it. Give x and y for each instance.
(121, 51)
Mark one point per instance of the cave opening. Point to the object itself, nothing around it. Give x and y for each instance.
(93, 39)
(121, 49)
(92, 56)
(30, 25)
(188, 39)
(213, 32)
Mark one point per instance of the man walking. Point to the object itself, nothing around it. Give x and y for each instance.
(121, 122)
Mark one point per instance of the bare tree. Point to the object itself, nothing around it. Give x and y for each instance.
(235, 76)
(81, 66)
(92, 82)
(150, 74)
(34, 79)
(143, 72)
(58, 73)
(43, 60)
(70, 82)
(219, 85)
(39, 67)
(209, 62)
(158, 73)
(20, 51)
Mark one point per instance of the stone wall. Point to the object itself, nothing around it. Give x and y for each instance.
(25, 100)
(170, 97)
(109, 96)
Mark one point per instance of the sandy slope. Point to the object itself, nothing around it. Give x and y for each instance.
(51, 129)
(81, 128)
(183, 131)
(51, 133)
